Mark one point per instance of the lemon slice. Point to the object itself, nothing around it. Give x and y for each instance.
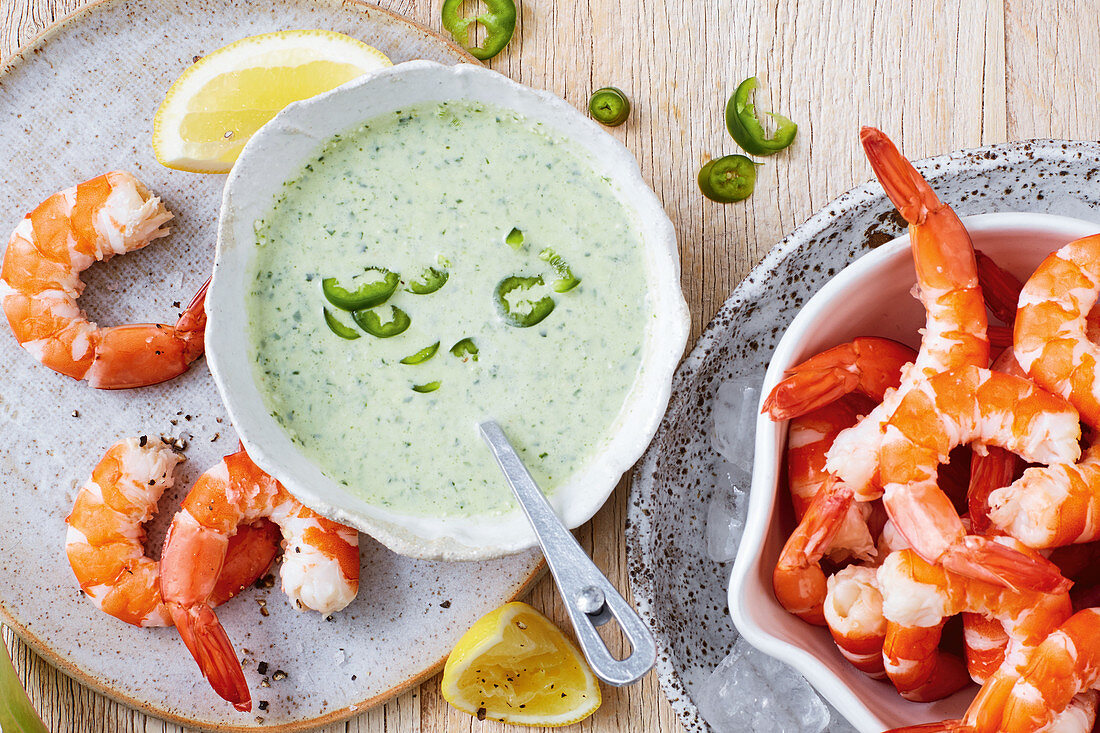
(515, 666)
(219, 102)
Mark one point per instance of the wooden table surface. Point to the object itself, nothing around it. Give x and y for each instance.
(936, 74)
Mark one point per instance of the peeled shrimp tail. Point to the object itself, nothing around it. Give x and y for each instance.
(984, 559)
(210, 646)
(141, 354)
(908, 191)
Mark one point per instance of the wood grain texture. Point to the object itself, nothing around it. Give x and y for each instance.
(936, 74)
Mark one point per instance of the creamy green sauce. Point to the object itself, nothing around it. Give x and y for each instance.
(442, 185)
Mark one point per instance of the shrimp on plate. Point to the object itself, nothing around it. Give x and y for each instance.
(320, 563)
(853, 613)
(105, 538)
(868, 365)
(808, 439)
(1051, 337)
(955, 330)
(40, 283)
(918, 597)
(970, 405)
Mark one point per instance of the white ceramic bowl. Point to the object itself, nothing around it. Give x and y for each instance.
(276, 154)
(870, 297)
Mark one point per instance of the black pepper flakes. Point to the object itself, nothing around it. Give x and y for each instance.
(262, 705)
(76, 413)
(445, 604)
(262, 667)
(481, 713)
(279, 675)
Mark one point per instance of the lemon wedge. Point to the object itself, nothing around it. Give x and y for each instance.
(515, 666)
(223, 98)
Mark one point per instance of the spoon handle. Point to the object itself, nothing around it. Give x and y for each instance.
(589, 596)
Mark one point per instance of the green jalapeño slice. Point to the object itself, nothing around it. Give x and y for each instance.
(514, 238)
(431, 280)
(341, 330)
(465, 348)
(422, 356)
(566, 281)
(498, 20)
(370, 322)
(516, 315)
(371, 293)
(728, 179)
(609, 106)
(745, 126)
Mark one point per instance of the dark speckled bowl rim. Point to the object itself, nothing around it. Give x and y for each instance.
(640, 555)
(58, 660)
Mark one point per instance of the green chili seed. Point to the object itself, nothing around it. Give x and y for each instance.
(537, 310)
(514, 238)
(368, 295)
(423, 355)
(744, 125)
(370, 322)
(344, 332)
(430, 281)
(566, 280)
(465, 347)
(425, 388)
(609, 106)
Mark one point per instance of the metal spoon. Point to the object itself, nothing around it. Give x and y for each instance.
(589, 596)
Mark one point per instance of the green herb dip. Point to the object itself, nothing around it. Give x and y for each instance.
(442, 186)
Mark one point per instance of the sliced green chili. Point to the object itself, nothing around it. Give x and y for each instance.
(370, 322)
(499, 21)
(745, 127)
(537, 309)
(368, 295)
(727, 179)
(344, 332)
(431, 280)
(609, 106)
(465, 348)
(423, 355)
(514, 238)
(425, 388)
(566, 281)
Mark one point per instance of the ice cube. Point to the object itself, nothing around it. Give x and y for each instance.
(733, 434)
(750, 691)
(725, 516)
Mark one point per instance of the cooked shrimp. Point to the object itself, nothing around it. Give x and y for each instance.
(105, 537)
(40, 283)
(867, 365)
(991, 467)
(798, 580)
(1064, 665)
(985, 641)
(853, 612)
(1078, 717)
(1050, 336)
(955, 330)
(320, 565)
(808, 439)
(1054, 505)
(919, 596)
(964, 406)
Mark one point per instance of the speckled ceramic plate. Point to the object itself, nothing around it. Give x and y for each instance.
(679, 591)
(77, 102)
